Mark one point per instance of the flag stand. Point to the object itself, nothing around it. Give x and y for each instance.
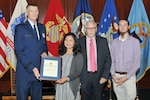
(109, 85)
(12, 81)
(110, 96)
(137, 96)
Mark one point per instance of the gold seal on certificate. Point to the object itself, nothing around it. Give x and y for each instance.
(50, 68)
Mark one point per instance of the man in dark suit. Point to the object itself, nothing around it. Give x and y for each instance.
(30, 45)
(93, 78)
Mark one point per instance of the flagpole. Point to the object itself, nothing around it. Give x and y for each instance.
(12, 81)
(137, 97)
(110, 89)
(11, 85)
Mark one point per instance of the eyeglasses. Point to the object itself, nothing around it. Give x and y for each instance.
(90, 28)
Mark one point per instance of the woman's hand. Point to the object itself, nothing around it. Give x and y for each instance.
(62, 80)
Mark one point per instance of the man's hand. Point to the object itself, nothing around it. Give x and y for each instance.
(36, 73)
(44, 54)
(50, 54)
(122, 80)
(116, 79)
(119, 80)
(102, 80)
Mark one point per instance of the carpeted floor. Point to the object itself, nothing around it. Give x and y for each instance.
(144, 94)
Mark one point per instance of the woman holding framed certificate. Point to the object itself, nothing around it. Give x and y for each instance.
(68, 87)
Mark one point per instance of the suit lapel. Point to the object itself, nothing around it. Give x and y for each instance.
(85, 49)
(30, 29)
(99, 51)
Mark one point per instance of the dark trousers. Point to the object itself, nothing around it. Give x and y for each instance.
(92, 90)
(0, 96)
(24, 88)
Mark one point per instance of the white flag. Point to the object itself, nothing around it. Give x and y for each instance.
(18, 16)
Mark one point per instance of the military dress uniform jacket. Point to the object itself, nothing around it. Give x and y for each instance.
(28, 49)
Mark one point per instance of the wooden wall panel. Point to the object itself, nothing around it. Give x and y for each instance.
(5, 7)
(69, 8)
(5, 82)
(147, 7)
(97, 9)
(43, 6)
(123, 7)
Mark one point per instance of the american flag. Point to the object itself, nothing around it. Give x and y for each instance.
(4, 65)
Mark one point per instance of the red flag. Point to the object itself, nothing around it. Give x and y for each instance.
(56, 26)
(4, 65)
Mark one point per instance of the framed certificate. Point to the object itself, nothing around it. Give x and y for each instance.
(50, 68)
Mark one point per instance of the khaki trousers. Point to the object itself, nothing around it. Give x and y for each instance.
(127, 91)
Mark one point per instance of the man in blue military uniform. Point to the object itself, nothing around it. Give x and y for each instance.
(30, 45)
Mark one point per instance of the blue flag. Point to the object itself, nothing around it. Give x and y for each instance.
(81, 16)
(108, 26)
(140, 25)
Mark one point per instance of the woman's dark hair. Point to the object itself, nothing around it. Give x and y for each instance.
(76, 47)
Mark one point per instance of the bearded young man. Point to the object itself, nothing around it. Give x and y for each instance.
(125, 54)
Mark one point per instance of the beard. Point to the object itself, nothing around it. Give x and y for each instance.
(122, 33)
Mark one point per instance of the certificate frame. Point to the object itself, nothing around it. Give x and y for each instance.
(50, 68)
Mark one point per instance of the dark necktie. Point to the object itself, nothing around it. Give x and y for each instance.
(35, 31)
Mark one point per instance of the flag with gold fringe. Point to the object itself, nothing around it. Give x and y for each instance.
(81, 16)
(140, 25)
(56, 26)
